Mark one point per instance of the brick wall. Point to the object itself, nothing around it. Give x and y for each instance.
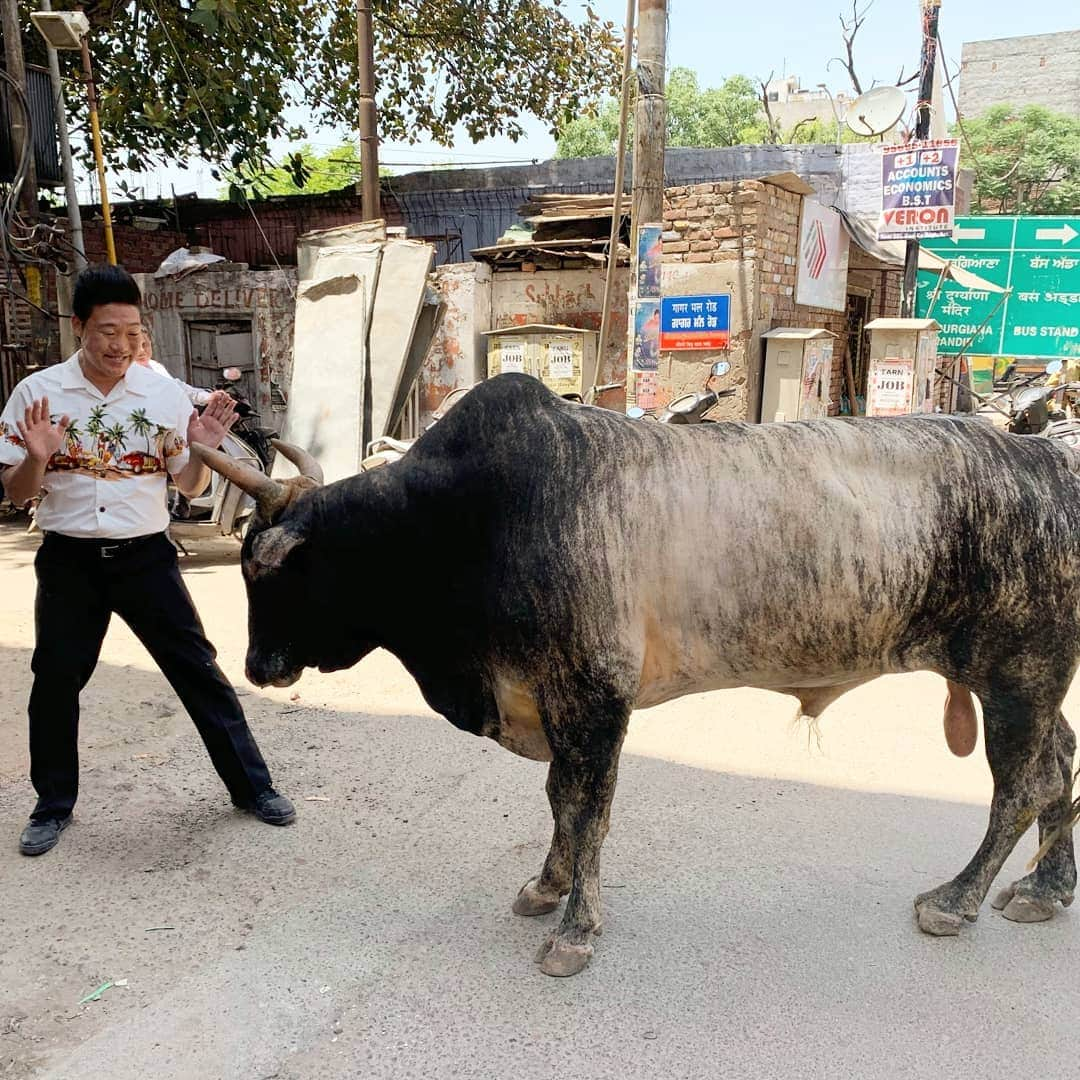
(756, 225)
(139, 251)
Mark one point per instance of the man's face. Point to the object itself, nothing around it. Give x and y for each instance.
(110, 339)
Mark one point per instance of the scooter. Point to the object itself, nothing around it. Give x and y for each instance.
(247, 426)
(222, 509)
(384, 450)
(690, 408)
(1036, 410)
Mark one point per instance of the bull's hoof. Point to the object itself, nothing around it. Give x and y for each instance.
(562, 958)
(940, 915)
(532, 900)
(1024, 906)
(939, 923)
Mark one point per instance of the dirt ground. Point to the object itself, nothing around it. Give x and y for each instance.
(757, 890)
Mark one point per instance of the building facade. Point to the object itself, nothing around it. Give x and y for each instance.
(1041, 69)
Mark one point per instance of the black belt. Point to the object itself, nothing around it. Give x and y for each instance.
(104, 548)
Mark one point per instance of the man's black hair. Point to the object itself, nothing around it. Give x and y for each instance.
(99, 285)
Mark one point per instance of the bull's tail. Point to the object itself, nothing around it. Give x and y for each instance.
(1066, 826)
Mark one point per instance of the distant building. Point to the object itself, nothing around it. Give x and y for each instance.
(1042, 69)
(790, 104)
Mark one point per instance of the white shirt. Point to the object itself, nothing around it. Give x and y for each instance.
(109, 480)
(197, 396)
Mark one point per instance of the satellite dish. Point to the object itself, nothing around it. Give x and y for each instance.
(876, 111)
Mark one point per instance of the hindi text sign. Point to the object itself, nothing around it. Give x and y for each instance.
(695, 322)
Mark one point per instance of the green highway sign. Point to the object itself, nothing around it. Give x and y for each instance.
(1038, 258)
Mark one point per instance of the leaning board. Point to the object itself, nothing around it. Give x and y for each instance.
(326, 394)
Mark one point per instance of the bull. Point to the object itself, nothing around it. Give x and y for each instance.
(604, 565)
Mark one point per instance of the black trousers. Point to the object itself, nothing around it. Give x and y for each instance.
(80, 584)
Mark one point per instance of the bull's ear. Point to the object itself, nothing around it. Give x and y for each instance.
(270, 548)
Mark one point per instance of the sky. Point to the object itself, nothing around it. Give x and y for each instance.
(718, 39)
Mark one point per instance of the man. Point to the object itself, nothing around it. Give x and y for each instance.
(95, 437)
(144, 357)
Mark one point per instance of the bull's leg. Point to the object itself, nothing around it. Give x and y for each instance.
(1033, 898)
(542, 894)
(1022, 750)
(581, 785)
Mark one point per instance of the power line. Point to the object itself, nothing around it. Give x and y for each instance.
(956, 109)
(221, 144)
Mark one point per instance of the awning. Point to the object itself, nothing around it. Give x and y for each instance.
(863, 230)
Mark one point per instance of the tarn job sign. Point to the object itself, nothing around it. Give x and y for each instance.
(695, 322)
(918, 189)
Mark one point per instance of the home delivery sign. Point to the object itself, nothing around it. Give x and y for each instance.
(1038, 258)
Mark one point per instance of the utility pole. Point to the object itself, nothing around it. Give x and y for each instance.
(929, 11)
(620, 168)
(95, 134)
(16, 68)
(650, 131)
(650, 116)
(369, 138)
(71, 194)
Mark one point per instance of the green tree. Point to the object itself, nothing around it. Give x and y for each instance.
(212, 79)
(303, 172)
(1026, 161)
(727, 115)
(591, 134)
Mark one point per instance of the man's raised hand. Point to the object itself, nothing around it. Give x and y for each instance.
(41, 437)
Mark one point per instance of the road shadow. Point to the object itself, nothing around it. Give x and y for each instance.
(754, 927)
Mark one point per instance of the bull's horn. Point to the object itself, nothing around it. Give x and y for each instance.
(268, 493)
(304, 461)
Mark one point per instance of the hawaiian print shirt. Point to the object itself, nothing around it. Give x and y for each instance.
(109, 479)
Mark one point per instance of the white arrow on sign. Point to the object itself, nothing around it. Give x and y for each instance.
(1064, 233)
(969, 234)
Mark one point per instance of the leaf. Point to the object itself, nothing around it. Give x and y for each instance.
(481, 64)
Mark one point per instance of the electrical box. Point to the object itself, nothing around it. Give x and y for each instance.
(798, 370)
(903, 357)
(563, 358)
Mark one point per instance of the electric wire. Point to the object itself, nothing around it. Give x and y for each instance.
(221, 144)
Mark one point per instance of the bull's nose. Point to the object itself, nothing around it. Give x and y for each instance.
(265, 677)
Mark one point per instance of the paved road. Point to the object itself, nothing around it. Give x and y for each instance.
(758, 893)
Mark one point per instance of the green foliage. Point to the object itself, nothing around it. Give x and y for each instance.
(304, 172)
(727, 115)
(1026, 161)
(821, 131)
(211, 79)
(592, 134)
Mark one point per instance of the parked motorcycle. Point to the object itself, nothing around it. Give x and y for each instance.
(690, 408)
(1039, 409)
(248, 426)
(384, 450)
(223, 509)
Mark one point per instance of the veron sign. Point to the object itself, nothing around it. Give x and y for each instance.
(918, 189)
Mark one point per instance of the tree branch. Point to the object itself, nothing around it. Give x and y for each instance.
(848, 32)
(774, 131)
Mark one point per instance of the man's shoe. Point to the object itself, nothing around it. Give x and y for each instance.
(41, 836)
(271, 807)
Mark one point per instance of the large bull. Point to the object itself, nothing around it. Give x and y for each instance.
(603, 565)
